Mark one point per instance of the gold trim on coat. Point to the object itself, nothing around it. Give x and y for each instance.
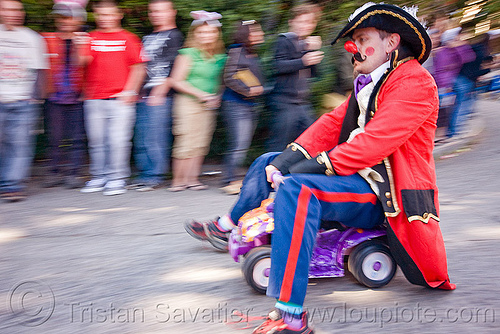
(294, 146)
(424, 218)
(326, 160)
(393, 190)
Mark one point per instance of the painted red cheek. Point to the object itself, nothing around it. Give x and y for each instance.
(370, 51)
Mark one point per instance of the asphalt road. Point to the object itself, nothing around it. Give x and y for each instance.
(86, 263)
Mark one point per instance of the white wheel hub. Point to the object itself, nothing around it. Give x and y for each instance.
(260, 272)
(377, 266)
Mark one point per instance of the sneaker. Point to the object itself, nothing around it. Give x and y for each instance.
(135, 185)
(14, 196)
(114, 187)
(216, 236)
(147, 187)
(94, 185)
(276, 324)
(197, 229)
(232, 188)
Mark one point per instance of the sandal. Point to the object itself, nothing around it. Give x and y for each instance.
(197, 186)
(178, 188)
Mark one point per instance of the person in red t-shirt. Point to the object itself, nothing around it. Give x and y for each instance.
(114, 73)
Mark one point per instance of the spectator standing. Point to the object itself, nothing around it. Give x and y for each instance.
(244, 80)
(196, 76)
(447, 61)
(152, 137)
(114, 73)
(296, 56)
(461, 87)
(22, 63)
(465, 86)
(64, 107)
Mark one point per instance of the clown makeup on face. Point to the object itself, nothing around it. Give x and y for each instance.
(369, 51)
(374, 46)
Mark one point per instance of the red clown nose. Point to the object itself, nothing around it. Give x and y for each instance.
(351, 47)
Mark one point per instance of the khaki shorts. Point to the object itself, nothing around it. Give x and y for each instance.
(192, 127)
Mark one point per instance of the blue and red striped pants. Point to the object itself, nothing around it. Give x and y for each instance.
(302, 202)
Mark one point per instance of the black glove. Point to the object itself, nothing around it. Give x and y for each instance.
(293, 154)
(319, 165)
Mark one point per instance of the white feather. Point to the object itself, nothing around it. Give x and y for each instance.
(411, 10)
(360, 9)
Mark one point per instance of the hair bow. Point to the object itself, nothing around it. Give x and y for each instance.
(201, 16)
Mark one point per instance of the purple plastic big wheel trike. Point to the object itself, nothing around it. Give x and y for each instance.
(369, 258)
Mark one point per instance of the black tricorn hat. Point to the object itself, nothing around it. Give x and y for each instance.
(392, 19)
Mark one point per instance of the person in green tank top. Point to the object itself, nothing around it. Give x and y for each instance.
(196, 77)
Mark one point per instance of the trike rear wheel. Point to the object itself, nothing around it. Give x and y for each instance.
(372, 264)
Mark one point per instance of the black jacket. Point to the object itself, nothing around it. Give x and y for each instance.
(291, 75)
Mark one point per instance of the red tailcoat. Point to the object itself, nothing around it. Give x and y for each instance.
(399, 138)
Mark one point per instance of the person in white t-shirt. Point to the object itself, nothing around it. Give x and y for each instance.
(22, 61)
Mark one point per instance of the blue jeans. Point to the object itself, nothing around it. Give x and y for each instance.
(464, 90)
(255, 187)
(288, 122)
(152, 141)
(241, 120)
(109, 125)
(65, 121)
(17, 143)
